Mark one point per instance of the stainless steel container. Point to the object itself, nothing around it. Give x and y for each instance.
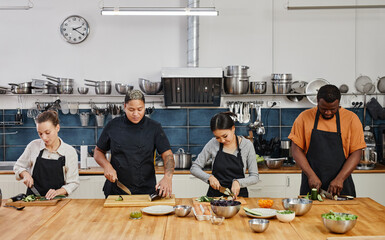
(236, 85)
(182, 159)
(281, 76)
(236, 71)
(258, 87)
(281, 87)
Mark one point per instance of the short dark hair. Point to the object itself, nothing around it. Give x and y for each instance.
(329, 93)
(134, 95)
(222, 120)
(49, 115)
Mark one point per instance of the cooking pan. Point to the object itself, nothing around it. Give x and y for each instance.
(59, 80)
(22, 88)
(381, 84)
(101, 87)
(297, 87)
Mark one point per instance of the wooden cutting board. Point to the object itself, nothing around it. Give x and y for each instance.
(239, 199)
(137, 201)
(34, 203)
(333, 202)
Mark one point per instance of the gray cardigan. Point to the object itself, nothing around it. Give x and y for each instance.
(210, 151)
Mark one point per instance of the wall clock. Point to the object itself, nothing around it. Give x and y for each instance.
(75, 29)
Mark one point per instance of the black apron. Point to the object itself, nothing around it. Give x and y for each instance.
(226, 168)
(326, 157)
(132, 156)
(47, 174)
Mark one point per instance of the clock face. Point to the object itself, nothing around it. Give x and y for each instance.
(74, 29)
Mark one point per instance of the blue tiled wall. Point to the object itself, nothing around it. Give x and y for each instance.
(186, 128)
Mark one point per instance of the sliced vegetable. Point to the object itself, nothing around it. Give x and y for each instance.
(29, 198)
(120, 198)
(252, 212)
(205, 199)
(260, 159)
(285, 212)
(265, 203)
(319, 197)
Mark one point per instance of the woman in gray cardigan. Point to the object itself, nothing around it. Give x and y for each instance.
(231, 155)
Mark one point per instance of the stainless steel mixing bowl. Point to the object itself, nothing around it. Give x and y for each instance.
(148, 87)
(299, 205)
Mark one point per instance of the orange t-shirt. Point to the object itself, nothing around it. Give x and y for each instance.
(351, 129)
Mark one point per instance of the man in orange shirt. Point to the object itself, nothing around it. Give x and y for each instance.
(327, 142)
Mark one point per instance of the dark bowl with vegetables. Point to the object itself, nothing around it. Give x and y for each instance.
(225, 208)
(339, 222)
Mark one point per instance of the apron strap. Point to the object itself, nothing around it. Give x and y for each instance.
(316, 119)
(338, 122)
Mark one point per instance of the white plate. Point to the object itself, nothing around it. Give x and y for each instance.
(266, 212)
(158, 210)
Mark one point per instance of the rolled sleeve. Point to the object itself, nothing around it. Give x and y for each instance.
(26, 160)
(200, 162)
(72, 172)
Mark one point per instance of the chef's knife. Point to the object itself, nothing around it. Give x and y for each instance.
(226, 191)
(35, 191)
(123, 187)
(336, 197)
(327, 194)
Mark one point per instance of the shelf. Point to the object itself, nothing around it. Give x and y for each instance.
(75, 95)
(10, 123)
(291, 94)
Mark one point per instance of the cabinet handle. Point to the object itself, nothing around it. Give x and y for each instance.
(287, 181)
(83, 179)
(255, 189)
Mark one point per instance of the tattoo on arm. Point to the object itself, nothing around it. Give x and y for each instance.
(169, 165)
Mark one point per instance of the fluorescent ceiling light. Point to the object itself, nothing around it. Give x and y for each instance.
(159, 11)
(334, 7)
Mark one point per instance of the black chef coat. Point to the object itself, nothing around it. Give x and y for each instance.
(132, 153)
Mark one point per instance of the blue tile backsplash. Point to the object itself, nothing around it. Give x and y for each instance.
(187, 128)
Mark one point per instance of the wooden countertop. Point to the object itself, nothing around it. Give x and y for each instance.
(87, 219)
(262, 169)
(22, 224)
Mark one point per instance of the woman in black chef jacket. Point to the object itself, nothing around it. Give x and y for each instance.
(132, 139)
(48, 164)
(231, 155)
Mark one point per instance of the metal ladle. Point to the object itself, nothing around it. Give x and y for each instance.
(17, 208)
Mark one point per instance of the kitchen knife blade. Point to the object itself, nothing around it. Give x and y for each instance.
(226, 191)
(327, 194)
(123, 187)
(35, 191)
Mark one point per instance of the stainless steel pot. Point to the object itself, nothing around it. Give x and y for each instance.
(65, 81)
(257, 87)
(281, 76)
(236, 85)
(237, 71)
(182, 159)
(64, 89)
(281, 87)
(22, 88)
(101, 87)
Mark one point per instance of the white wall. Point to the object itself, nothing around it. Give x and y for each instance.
(337, 45)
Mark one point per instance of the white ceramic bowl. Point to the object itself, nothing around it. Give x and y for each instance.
(285, 217)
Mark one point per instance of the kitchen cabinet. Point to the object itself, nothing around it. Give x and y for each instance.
(10, 187)
(91, 186)
(186, 185)
(370, 185)
(276, 185)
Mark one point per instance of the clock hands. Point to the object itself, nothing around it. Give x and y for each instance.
(76, 29)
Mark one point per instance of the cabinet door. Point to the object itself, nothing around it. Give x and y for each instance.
(10, 187)
(187, 186)
(370, 185)
(293, 185)
(269, 186)
(91, 186)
